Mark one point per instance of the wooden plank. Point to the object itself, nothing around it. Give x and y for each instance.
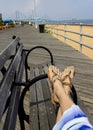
(12, 111)
(8, 51)
(34, 122)
(11, 117)
(47, 98)
(40, 102)
(49, 107)
(43, 120)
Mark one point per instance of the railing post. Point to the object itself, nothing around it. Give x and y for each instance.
(57, 30)
(80, 37)
(64, 33)
(54, 30)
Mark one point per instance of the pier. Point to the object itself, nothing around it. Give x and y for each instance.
(64, 55)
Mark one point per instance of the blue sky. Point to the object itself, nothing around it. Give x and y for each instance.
(50, 9)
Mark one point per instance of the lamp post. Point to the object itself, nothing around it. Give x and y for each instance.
(34, 8)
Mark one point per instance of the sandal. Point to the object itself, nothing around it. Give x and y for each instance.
(57, 75)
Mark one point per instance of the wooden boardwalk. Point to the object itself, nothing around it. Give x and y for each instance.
(64, 55)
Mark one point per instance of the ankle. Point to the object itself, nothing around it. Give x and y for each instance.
(59, 89)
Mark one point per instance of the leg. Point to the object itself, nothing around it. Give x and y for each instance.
(59, 115)
(60, 91)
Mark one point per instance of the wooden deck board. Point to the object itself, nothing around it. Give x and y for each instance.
(33, 106)
(42, 111)
(64, 55)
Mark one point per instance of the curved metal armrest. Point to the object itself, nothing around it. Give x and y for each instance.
(29, 51)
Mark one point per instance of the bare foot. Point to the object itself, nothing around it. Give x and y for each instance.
(67, 77)
(53, 73)
(61, 82)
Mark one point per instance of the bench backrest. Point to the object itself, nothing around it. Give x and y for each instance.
(12, 61)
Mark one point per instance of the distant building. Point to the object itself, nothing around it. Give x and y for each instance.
(0, 16)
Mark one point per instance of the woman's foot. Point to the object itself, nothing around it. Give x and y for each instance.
(61, 82)
(67, 78)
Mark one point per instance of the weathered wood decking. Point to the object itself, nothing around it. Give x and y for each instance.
(64, 55)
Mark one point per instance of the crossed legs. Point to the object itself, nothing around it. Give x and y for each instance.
(61, 86)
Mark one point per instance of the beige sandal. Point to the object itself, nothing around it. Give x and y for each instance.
(56, 76)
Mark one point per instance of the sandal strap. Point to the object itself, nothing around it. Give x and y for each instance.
(69, 84)
(57, 77)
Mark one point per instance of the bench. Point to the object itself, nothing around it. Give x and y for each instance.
(13, 76)
(12, 63)
(17, 77)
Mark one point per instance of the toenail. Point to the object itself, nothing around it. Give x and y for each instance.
(50, 66)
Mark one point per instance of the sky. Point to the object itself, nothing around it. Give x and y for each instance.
(48, 9)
